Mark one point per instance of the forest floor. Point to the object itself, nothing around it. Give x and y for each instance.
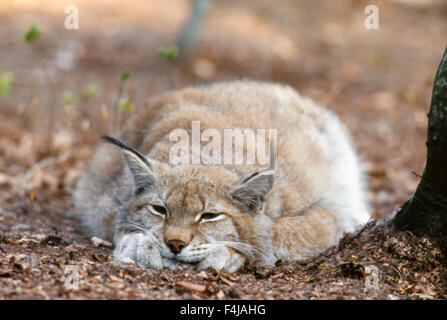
(62, 98)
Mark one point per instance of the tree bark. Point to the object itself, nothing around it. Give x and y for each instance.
(426, 212)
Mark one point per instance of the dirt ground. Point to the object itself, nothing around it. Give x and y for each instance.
(63, 95)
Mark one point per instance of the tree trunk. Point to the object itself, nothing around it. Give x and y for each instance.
(426, 212)
(188, 36)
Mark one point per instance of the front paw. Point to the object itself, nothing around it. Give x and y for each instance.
(174, 264)
(223, 258)
(138, 248)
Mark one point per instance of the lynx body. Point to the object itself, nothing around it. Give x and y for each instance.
(164, 215)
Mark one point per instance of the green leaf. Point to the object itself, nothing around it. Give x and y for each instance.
(69, 99)
(125, 75)
(6, 81)
(170, 53)
(33, 34)
(90, 91)
(125, 105)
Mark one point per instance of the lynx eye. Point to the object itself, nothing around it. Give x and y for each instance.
(158, 210)
(210, 216)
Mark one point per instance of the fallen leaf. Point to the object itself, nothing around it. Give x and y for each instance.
(191, 286)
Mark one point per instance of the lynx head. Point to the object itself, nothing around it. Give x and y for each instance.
(190, 210)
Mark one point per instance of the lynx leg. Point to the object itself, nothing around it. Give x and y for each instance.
(140, 249)
(303, 236)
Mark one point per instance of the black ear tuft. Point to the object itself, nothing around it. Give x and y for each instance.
(118, 143)
(139, 165)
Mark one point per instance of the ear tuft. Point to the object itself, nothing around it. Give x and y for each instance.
(139, 165)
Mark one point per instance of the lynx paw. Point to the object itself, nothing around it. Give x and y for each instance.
(140, 249)
(223, 258)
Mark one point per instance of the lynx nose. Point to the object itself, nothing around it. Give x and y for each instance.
(176, 245)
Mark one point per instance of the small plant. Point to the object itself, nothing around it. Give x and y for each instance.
(125, 105)
(6, 81)
(90, 91)
(125, 75)
(33, 34)
(69, 99)
(45, 66)
(170, 53)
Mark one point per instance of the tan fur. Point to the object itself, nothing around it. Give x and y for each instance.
(317, 195)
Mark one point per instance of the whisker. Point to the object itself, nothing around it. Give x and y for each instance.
(245, 248)
(133, 226)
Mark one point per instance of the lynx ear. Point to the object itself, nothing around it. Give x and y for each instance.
(252, 190)
(139, 165)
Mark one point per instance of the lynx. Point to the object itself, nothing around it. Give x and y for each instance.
(161, 215)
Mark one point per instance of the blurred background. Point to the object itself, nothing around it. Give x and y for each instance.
(61, 89)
